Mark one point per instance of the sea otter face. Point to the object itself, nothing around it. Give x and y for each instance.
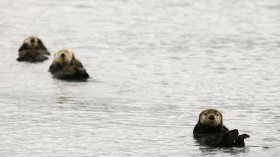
(64, 56)
(210, 117)
(32, 42)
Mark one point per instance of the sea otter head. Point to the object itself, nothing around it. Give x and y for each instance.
(33, 42)
(64, 56)
(211, 117)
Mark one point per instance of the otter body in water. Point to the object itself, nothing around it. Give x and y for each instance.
(66, 66)
(211, 131)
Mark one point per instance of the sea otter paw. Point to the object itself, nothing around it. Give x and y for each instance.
(233, 133)
(69, 68)
(243, 136)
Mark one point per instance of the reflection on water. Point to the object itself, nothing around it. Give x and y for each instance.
(229, 151)
(154, 66)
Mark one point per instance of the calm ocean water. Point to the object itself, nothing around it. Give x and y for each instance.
(154, 65)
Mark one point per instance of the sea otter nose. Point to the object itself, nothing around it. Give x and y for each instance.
(32, 40)
(62, 55)
(211, 117)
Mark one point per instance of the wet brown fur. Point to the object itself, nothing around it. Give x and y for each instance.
(72, 69)
(217, 135)
(33, 50)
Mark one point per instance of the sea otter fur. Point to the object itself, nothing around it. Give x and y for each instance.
(33, 50)
(211, 131)
(66, 66)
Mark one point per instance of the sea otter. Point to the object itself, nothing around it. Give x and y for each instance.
(211, 131)
(33, 50)
(66, 66)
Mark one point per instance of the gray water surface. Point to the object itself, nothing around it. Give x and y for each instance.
(154, 65)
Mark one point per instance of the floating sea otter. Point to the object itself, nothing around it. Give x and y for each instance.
(66, 66)
(210, 131)
(33, 50)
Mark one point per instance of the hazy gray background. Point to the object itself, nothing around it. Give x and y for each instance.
(154, 65)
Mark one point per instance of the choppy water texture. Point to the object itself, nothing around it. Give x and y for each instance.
(154, 65)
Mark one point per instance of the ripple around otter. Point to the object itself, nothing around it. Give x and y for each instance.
(154, 65)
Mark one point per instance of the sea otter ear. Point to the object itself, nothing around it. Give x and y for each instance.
(23, 47)
(221, 118)
(41, 45)
(199, 117)
(73, 59)
(73, 56)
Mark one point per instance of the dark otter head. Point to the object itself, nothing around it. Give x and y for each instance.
(211, 117)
